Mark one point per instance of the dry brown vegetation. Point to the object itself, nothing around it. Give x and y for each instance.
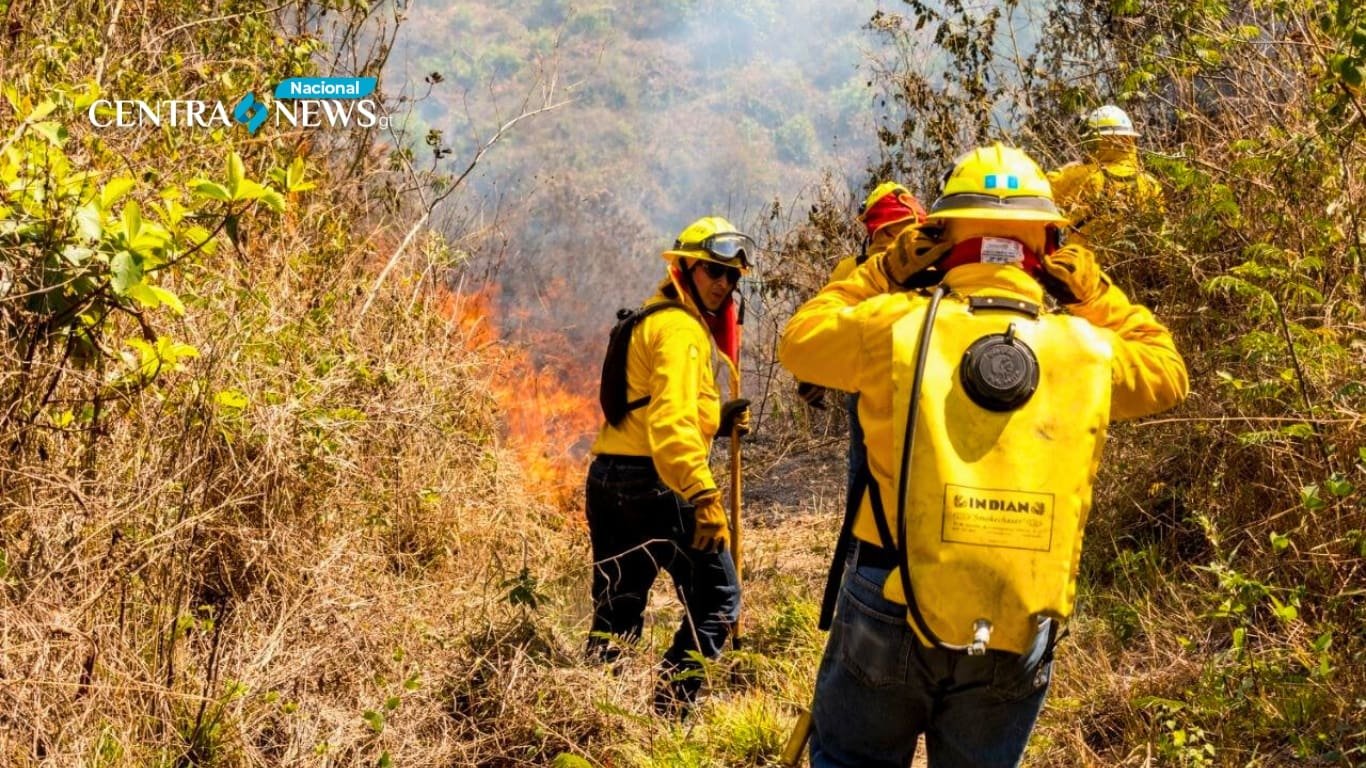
(305, 520)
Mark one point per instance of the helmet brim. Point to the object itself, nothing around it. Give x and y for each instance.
(978, 206)
(998, 214)
(672, 256)
(1115, 132)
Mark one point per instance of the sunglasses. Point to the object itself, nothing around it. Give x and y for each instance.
(725, 246)
(717, 271)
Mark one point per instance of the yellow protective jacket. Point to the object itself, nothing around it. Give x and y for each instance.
(842, 339)
(1109, 189)
(881, 240)
(670, 360)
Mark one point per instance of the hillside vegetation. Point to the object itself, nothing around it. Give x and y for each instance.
(276, 489)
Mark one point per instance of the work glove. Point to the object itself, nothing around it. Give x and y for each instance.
(812, 394)
(734, 415)
(713, 532)
(915, 249)
(1072, 276)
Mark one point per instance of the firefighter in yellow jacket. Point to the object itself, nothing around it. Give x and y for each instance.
(652, 502)
(984, 416)
(1109, 194)
(887, 210)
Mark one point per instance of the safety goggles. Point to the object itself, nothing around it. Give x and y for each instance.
(724, 246)
(717, 271)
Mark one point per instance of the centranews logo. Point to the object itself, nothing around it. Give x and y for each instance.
(299, 102)
(250, 112)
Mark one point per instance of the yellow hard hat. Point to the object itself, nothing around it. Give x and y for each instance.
(712, 238)
(889, 203)
(999, 183)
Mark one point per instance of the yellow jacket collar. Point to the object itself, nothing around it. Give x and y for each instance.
(672, 285)
(1121, 161)
(999, 279)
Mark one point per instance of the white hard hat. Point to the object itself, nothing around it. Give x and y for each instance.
(1110, 120)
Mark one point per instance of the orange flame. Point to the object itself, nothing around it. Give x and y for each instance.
(550, 409)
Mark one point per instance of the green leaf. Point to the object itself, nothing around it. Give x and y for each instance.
(76, 255)
(125, 270)
(55, 133)
(1353, 76)
(114, 190)
(1279, 542)
(391, 703)
(374, 719)
(210, 189)
(294, 177)
(200, 237)
(273, 200)
(89, 94)
(173, 351)
(247, 189)
(232, 400)
(169, 299)
(1303, 431)
(89, 222)
(132, 220)
(143, 294)
(1309, 497)
(1232, 286)
(1338, 485)
(11, 95)
(41, 111)
(295, 174)
(566, 760)
(236, 173)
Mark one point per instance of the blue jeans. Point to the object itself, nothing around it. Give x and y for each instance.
(879, 688)
(637, 527)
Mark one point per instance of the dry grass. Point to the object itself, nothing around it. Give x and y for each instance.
(349, 562)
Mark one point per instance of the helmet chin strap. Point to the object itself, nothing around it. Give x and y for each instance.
(691, 287)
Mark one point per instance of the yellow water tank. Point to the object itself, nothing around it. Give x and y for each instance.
(1000, 478)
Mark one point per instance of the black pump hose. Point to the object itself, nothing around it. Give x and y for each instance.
(908, 444)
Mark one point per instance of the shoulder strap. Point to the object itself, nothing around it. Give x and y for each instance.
(839, 560)
(612, 387)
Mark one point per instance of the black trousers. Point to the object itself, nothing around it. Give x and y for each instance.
(638, 527)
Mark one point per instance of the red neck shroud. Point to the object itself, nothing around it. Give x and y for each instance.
(725, 328)
(890, 209)
(970, 252)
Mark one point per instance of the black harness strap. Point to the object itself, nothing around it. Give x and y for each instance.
(846, 539)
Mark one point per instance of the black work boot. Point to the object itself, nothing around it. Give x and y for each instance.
(601, 650)
(676, 691)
